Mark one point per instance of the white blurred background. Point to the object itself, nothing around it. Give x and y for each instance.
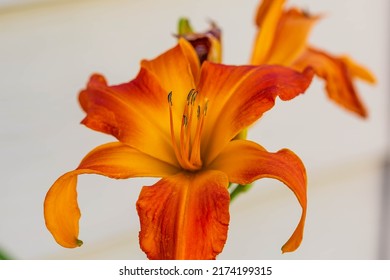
(48, 49)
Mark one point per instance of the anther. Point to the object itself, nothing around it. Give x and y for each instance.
(198, 112)
(189, 96)
(185, 120)
(194, 94)
(205, 107)
(170, 98)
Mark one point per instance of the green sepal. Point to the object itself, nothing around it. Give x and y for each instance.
(184, 27)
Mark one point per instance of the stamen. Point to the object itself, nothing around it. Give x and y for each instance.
(187, 146)
(173, 138)
(184, 132)
(189, 128)
(185, 135)
(195, 153)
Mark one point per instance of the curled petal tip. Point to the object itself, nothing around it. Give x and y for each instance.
(287, 250)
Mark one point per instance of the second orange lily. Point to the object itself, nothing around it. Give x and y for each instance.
(282, 40)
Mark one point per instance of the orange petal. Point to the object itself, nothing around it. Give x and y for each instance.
(185, 216)
(358, 71)
(267, 20)
(338, 77)
(291, 38)
(176, 70)
(239, 95)
(132, 112)
(113, 160)
(244, 162)
(266, 8)
(61, 210)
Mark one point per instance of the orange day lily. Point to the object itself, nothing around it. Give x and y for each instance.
(282, 39)
(176, 120)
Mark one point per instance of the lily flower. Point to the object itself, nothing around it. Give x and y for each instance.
(176, 120)
(282, 39)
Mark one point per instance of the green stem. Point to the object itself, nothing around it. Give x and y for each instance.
(239, 189)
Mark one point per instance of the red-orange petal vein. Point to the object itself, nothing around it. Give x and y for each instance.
(185, 216)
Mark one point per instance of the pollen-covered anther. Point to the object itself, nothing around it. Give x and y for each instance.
(170, 98)
(187, 145)
(185, 120)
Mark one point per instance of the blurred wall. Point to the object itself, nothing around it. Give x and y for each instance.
(48, 50)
